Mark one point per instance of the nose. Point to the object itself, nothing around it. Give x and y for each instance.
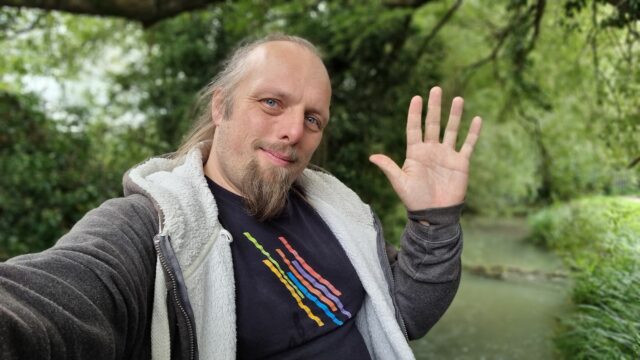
(290, 127)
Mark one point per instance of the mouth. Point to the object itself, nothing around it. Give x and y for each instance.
(277, 158)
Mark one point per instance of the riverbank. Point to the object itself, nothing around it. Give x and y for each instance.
(506, 306)
(599, 239)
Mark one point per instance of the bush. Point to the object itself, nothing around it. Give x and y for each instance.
(599, 238)
(46, 183)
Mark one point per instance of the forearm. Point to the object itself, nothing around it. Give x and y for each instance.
(427, 270)
(87, 296)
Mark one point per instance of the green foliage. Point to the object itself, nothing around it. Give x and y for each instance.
(54, 174)
(592, 224)
(624, 12)
(572, 94)
(366, 48)
(557, 86)
(38, 42)
(505, 174)
(47, 179)
(599, 238)
(580, 161)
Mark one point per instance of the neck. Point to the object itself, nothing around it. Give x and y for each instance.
(213, 170)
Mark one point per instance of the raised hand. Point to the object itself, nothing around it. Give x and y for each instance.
(434, 174)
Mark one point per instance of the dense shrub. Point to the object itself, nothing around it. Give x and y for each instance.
(599, 238)
(46, 183)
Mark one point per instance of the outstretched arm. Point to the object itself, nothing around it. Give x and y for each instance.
(89, 296)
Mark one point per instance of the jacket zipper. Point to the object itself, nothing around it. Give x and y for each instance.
(168, 271)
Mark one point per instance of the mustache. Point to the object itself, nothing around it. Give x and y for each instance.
(286, 150)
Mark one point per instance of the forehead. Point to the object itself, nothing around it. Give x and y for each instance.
(290, 69)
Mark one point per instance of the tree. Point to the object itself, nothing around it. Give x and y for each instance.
(146, 12)
(558, 123)
(366, 49)
(49, 180)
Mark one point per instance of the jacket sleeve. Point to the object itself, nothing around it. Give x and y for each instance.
(87, 297)
(426, 271)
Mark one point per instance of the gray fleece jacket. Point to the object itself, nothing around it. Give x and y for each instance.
(150, 275)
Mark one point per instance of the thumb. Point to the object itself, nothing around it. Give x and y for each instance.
(388, 167)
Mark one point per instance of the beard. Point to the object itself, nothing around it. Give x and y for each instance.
(266, 190)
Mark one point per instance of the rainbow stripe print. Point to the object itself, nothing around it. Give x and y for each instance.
(303, 282)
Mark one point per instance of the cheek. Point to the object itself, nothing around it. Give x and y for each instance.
(254, 124)
(313, 144)
(238, 134)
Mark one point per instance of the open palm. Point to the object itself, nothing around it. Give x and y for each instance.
(434, 174)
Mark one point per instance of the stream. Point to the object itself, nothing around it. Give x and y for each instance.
(509, 298)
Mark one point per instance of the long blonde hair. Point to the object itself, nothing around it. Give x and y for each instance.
(225, 83)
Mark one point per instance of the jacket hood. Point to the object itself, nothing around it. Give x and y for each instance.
(178, 189)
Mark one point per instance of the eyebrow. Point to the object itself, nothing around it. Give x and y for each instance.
(273, 92)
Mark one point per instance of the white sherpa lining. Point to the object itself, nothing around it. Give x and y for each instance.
(352, 224)
(190, 219)
(202, 247)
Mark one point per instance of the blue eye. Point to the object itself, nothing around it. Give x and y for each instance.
(270, 102)
(314, 122)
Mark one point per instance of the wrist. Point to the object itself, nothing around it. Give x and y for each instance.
(437, 215)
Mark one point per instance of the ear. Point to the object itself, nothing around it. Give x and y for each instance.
(217, 111)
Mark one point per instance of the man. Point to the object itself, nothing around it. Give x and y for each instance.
(234, 248)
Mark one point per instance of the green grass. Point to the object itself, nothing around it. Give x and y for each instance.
(599, 238)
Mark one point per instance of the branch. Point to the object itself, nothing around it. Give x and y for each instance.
(405, 3)
(441, 23)
(536, 11)
(501, 36)
(147, 12)
(31, 26)
(539, 12)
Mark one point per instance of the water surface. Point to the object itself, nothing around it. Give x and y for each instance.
(509, 318)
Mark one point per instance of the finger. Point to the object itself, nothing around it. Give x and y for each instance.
(391, 170)
(451, 133)
(432, 121)
(472, 137)
(414, 120)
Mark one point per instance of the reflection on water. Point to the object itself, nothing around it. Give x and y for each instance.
(499, 319)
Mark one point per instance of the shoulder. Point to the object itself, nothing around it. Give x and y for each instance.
(135, 209)
(321, 186)
(319, 181)
(122, 227)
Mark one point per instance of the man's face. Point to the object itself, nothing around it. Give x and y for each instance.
(280, 109)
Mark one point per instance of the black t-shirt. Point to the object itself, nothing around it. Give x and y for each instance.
(297, 293)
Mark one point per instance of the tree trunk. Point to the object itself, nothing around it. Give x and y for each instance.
(147, 12)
